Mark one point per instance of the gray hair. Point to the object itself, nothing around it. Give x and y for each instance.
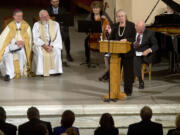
(43, 10)
(122, 11)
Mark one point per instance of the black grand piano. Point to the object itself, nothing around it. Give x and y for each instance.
(167, 27)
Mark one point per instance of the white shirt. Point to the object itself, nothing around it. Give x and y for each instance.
(141, 37)
(55, 10)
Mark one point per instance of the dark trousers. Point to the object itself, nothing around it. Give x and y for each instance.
(66, 39)
(138, 61)
(127, 64)
(87, 49)
(67, 45)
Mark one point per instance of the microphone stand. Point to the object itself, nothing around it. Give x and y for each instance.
(109, 89)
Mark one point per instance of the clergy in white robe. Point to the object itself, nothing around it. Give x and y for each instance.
(15, 48)
(47, 46)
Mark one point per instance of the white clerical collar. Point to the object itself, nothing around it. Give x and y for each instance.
(18, 25)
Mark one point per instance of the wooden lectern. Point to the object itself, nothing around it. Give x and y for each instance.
(115, 48)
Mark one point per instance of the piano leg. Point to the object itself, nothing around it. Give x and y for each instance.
(175, 53)
(173, 56)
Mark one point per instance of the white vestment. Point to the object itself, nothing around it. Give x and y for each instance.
(37, 64)
(7, 63)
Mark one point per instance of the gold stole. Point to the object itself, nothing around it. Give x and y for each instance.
(48, 59)
(24, 34)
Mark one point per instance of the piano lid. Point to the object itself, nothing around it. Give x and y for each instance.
(175, 6)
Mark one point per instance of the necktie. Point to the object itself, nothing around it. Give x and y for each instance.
(137, 43)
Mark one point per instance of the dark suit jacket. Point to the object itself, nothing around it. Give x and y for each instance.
(64, 29)
(145, 128)
(61, 12)
(149, 41)
(7, 128)
(172, 130)
(29, 127)
(100, 131)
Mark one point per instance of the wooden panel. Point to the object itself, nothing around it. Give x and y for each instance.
(6, 21)
(115, 47)
(167, 30)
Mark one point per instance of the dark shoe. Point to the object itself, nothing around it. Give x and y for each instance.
(129, 94)
(69, 58)
(105, 77)
(7, 78)
(58, 74)
(141, 85)
(65, 64)
(101, 79)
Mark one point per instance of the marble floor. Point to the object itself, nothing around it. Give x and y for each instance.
(79, 84)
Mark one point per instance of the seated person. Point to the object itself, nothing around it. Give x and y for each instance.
(144, 45)
(146, 126)
(47, 46)
(95, 16)
(106, 126)
(67, 120)
(6, 128)
(177, 129)
(15, 48)
(30, 127)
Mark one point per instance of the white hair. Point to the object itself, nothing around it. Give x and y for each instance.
(121, 11)
(43, 10)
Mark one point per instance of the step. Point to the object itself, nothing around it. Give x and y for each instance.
(87, 116)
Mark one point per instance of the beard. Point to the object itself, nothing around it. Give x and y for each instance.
(45, 22)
